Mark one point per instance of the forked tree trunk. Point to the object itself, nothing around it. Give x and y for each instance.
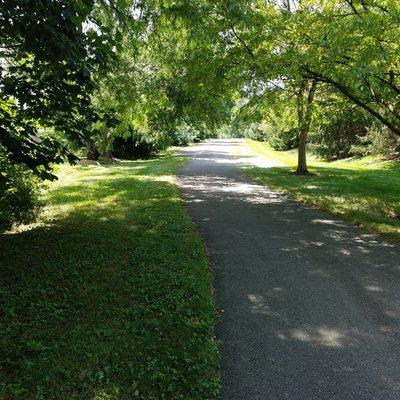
(304, 110)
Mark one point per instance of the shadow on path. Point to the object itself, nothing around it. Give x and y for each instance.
(311, 305)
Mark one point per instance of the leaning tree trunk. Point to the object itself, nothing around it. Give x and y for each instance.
(304, 110)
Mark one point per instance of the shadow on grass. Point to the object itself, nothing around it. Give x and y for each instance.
(370, 198)
(95, 301)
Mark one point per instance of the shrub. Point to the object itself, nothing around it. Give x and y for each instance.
(378, 140)
(19, 193)
(286, 140)
(255, 131)
(184, 135)
(337, 128)
(187, 134)
(336, 139)
(139, 145)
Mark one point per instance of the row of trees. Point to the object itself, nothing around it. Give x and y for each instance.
(89, 73)
(84, 72)
(75, 72)
(296, 53)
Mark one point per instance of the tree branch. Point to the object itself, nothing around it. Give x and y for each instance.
(248, 49)
(345, 91)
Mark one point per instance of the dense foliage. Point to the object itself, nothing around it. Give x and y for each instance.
(127, 79)
(171, 60)
(19, 192)
(47, 60)
(295, 55)
(77, 73)
(133, 77)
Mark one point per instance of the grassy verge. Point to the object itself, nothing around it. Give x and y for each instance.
(108, 297)
(363, 191)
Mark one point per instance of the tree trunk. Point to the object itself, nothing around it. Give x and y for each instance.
(106, 154)
(92, 152)
(305, 100)
(302, 154)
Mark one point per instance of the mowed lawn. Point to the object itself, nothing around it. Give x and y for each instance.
(363, 191)
(108, 296)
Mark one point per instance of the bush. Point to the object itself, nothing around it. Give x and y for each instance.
(378, 140)
(139, 145)
(336, 140)
(188, 134)
(19, 193)
(337, 128)
(283, 140)
(184, 135)
(255, 131)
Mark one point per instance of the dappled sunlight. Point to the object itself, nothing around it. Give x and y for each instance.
(368, 196)
(110, 283)
(223, 185)
(324, 336)
(319, 335)
(224, 159)
(244, 191)
(74, 197)
(259, 306)
(162, 178)
(303, 244)
(328, 222)
(345, 252)
(373, 288)
(255, 154)
(91, 179)
(373, 240)
(345, 336)
(302, 289)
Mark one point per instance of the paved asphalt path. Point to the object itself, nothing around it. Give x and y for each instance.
(311, 305)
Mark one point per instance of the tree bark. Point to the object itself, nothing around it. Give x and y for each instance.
(302, 153)
(92, 152)
(304, 110)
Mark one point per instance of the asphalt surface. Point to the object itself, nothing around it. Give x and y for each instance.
(311, 305)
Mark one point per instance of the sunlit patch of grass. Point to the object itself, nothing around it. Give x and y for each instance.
(265, 150)
(108, 296)
(363, 191)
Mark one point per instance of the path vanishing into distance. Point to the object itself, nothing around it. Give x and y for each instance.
(310, 304)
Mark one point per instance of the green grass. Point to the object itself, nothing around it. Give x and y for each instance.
(108, 296)
(363, 191)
